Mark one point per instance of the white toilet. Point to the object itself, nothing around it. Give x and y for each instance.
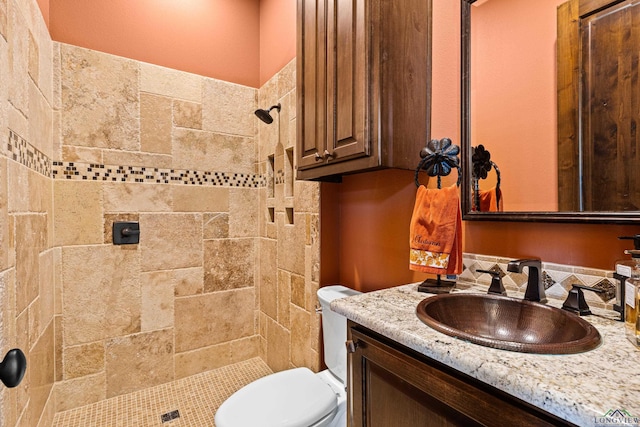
(298, 397)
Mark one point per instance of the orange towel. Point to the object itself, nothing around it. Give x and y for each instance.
(490, 200)
(436, 232)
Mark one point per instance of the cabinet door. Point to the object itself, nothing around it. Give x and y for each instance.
(363, 85)
(332, 81)
(312, 83)
(387, 386)
(347, 79)
(389, 390)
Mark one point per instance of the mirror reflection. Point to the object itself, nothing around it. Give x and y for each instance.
(485, 199)
(513, 98)
(554, 99)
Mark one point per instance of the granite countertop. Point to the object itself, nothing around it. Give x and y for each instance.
(580, 388)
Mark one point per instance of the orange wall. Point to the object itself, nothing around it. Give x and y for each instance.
(587, 245)
(44, 8)
(214, 38)
(240, 41)
(277, 36)
(372, 235)
(375, 209)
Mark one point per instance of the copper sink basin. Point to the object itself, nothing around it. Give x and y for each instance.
(508, 323)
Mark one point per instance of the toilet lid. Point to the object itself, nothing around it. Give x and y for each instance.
(289, 398)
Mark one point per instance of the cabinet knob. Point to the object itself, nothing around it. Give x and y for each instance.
(351, 346)
(325, 156)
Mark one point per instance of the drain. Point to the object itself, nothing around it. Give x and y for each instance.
(169, 416)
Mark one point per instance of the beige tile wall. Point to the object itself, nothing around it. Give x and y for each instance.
(289, 247)
(222, 273)
(185, 299)
(228, 260)
(28, 256)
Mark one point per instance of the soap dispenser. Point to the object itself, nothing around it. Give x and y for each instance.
(631, 301)
(622, 273)
(623, 267)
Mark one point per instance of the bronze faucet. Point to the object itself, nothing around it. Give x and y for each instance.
(535, 286)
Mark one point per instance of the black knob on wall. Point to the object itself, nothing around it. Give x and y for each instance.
(13, 367)
(126, 233)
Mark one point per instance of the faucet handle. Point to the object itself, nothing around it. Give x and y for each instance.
(535, 286)
(575, 301)
(496, 282)
(516, 265)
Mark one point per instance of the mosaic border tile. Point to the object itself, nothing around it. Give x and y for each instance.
(26, 154)
(20, 150)
(143, 174)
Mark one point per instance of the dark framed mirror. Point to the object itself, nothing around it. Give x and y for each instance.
(550, 103)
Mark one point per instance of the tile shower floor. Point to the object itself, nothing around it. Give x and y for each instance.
(195, 399)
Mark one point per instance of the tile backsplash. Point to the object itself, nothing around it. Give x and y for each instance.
(557, 278)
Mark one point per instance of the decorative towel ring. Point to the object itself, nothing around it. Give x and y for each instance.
(439, 157)
(482, 164)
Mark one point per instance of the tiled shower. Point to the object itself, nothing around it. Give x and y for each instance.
(228, 261)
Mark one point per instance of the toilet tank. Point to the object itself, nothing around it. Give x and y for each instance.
(334, 330)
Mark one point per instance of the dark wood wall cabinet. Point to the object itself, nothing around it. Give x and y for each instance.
(391, 385)
(363, 85)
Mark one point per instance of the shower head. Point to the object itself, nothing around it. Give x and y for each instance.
(265, 115)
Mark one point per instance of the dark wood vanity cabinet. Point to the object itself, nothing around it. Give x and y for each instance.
(363, 85)
(391, 385)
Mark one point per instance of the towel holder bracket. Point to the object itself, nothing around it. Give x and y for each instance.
(439, 158)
